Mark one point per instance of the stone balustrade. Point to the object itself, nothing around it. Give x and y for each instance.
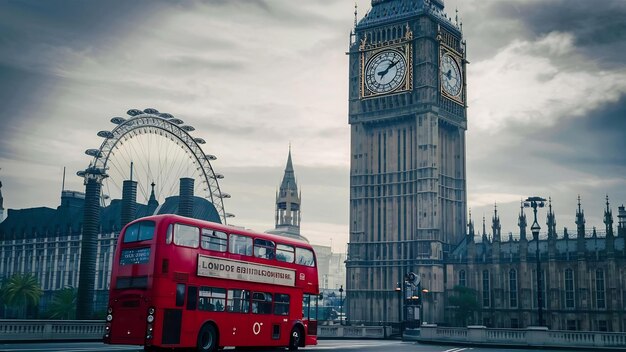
(356, 332)
(91, 330)
(33, 330)
(531, 336)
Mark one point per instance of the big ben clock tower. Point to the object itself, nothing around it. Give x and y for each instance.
(407, 112)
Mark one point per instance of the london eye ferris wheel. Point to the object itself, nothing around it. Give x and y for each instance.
(156, 150)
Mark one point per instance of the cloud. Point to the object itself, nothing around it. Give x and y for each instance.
(527, 83)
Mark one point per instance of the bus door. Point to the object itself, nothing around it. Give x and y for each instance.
(263, 322)
(310, 312)
(281, 321)
(173, 323)
(237, 324)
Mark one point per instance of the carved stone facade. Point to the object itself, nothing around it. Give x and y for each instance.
(407, 176)
(583, 275)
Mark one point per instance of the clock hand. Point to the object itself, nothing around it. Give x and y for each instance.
(383, 73)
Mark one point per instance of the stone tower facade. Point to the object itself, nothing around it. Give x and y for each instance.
(407, 112)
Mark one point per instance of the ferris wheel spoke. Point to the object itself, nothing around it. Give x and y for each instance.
(161, 152)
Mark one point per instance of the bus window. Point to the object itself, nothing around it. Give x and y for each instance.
(263, 249)
(192, 297)
(261, 303)
(304, 257)
(212, 299)
(284, 253)
(180, 295)
(139, 231)
(309, 307)
(240, 245)
(238, 301)
(186, 236)
(214, 240)
(281, 304)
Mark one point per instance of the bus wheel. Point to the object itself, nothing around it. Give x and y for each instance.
(294, 338)
(207, 339)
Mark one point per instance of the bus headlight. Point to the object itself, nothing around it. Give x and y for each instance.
(151, 310)
(109, 317)
(110, 310)
(150, 318)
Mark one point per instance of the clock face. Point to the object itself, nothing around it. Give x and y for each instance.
(385, 71)
(451, 80)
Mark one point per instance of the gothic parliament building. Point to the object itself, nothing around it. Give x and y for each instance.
(408, 195)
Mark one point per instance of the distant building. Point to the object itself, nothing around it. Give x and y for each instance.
(288, 209)
(582, 275)
(47, 242)
(330, 266)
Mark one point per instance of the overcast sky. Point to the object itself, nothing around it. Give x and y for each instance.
(546, 86)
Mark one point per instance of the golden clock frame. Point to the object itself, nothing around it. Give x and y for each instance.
(445, 49)
(369, 50)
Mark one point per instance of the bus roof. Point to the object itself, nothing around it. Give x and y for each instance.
(171, 218)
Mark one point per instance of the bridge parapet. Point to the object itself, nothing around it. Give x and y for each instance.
(532, 336)
(356, 332)
(43, 330)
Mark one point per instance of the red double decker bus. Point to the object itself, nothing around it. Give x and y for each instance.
(181, 282)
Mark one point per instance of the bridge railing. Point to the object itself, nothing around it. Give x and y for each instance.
(29, 330)
(532, 336)
(353, 331)
(91, 330)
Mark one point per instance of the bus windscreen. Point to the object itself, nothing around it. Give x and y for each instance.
(140, 231)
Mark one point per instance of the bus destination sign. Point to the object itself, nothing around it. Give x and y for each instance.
(135, 256)
(245, 271)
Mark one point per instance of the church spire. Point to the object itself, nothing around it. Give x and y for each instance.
(288, 201)
(153, 203)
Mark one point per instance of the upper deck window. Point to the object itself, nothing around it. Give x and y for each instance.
(285, 253)
(305, 257)
(186, 236)
(139, 231)
(239, 244)
(214, 240)
(264, 249)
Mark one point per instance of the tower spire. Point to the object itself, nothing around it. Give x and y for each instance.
(608, 219)
(580, 220)
(470, 226)
(288, 201)
(355, 16)
(496, 227)
(521, 222)
(551, 221)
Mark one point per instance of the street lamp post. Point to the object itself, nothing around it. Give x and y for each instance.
(340, 305)
(535, 202)
(423, 309)
(398, 290)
